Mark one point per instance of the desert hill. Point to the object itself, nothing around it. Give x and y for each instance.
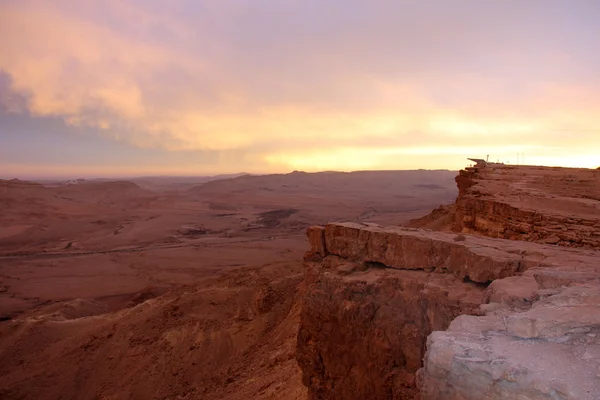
(111, 238)
(363, 195)
(119, 292)
(170, 183)
(231, 338)
(111, 290)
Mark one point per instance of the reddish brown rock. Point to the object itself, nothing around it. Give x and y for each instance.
(470, 258)
(362, 334)
(440, 219)
(540, 204)
(316, 241)
(371, 303)
(479, 259)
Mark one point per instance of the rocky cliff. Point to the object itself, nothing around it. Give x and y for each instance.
(539, 337)
(390, 310)
(403, 313)
(539, 204)
(370, 304)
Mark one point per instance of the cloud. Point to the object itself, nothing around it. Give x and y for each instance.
(285, 83)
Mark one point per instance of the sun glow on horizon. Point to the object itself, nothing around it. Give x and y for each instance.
(182, 90)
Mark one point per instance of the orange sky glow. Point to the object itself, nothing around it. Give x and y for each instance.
(129, 88)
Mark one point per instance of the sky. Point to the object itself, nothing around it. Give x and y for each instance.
(200, 87)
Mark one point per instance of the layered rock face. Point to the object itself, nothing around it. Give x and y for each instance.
(549, 351)
(368, 310)
(363, 333)
(540, 204)
(374, 295)
(539, 338)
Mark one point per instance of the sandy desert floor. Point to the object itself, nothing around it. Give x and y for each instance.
(114, 290)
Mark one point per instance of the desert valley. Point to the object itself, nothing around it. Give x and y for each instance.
(212, 290)
(214, 266)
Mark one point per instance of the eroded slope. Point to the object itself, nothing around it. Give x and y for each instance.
(374, 294)
(231, 338)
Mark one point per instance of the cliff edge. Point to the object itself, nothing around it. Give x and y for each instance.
(538, 204)
(404, 313)
(545, 205)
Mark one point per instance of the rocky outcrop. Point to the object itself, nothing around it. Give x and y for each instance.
(539, 339)
(373, 295)
(413, 249)
(475, 258)
(363, 333)
(488, 317)
(379, 300)
(538, 204)
(363, 330)
(551, 351)
(440, 219)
